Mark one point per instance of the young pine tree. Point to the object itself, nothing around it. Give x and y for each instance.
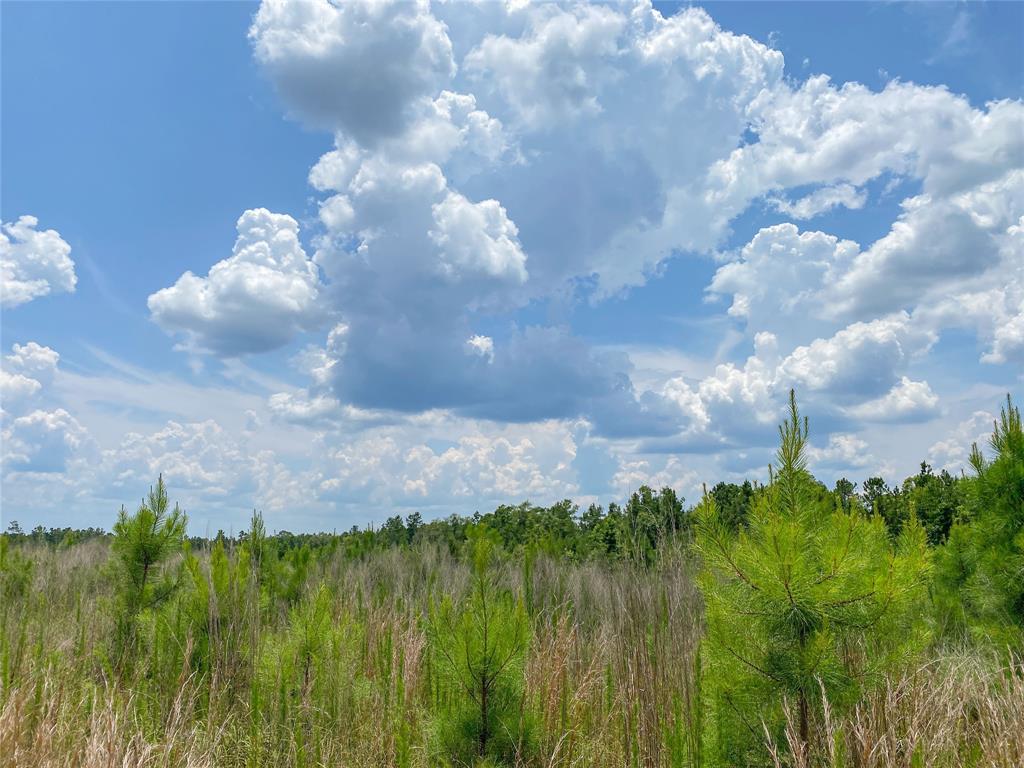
(143, 543)
(479, 648)
(999, 584)
(807, 598)
(981, 567)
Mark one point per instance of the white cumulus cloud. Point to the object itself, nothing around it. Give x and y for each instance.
(259, 298)
(477, 237)
(33, 263)
(907, 401)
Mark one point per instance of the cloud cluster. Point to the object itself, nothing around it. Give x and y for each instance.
(37, 437)
(951, 258)
(219, 470)
(857, 374)
(33, 263)
(512, 166)
(491, 167)
(484, 464)
(25, 371)
(573, 149)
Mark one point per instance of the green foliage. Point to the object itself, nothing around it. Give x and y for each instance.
(733, 503)
(936, 500)
(142, 546)
(15, 572)
(807, 597)
(479, 647)
(981, 568)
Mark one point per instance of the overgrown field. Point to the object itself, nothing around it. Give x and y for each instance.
(785, 624)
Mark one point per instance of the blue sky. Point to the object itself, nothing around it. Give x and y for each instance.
(336, 262)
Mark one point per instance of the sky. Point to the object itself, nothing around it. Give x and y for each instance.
(342, 261)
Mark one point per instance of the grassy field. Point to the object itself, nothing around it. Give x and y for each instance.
(610, 676)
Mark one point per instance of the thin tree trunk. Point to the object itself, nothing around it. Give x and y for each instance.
(804, 725)
(483, 719)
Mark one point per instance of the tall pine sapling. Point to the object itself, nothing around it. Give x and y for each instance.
(143, 543)
(981, 567)
(480, 647)
(999, 587)
(806, 598)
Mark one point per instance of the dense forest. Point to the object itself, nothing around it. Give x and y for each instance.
(775, 624)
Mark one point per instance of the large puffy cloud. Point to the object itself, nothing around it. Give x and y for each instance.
(33, 263)
(992, 304)
(553, 71)
(601, 192)
(483, 201)
(615, 178)
(856, 374)
(257, 299)
(475, 204)
(952, 258)
(16, 387)
(776, 280)
(859, 361)
(357, 66)
(937, 245)
(823, 134)
(33, 359)
(907, 401)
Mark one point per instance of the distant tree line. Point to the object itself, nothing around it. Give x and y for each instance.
(632, 531)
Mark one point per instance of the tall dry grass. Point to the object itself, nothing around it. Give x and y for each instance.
(612, 676)
(962, 710)
(608, 675)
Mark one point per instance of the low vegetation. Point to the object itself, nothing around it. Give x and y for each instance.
(785, 624)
